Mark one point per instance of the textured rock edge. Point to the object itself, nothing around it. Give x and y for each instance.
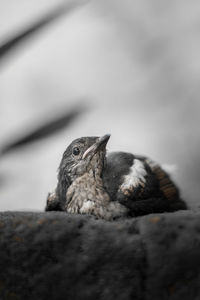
(56, 255)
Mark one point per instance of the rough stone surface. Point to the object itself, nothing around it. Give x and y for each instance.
(172, 243)
(60, 256)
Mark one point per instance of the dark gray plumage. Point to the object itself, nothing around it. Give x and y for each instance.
(112, 185)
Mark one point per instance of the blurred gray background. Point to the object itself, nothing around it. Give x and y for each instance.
(133, 67)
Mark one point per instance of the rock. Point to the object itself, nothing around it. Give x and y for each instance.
(58, 256)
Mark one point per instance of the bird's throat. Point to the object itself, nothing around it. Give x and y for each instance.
(85, 194)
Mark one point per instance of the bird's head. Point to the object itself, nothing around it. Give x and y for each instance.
(86, 154)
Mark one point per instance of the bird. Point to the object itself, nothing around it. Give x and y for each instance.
(111, 185)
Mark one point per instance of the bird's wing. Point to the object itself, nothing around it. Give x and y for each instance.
(116, 167)
(52, 202)
(140, 184)
(166, 185)
(129, 176)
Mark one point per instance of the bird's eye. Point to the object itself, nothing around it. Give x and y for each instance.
(76, 151)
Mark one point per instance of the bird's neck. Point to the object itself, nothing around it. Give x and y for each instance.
(88, 187)
(95, 176)
(96, 165)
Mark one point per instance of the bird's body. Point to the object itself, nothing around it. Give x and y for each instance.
(87, 195)
(109, 186)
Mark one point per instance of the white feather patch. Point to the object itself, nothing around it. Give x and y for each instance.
(136, 176)
(86, 207)
(169, 168)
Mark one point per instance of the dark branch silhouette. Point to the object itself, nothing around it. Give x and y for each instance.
(27, 33)
(43, 131)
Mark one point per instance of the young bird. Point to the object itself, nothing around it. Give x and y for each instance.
(112, 185)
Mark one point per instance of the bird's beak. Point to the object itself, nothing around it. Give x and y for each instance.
(100, 144)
